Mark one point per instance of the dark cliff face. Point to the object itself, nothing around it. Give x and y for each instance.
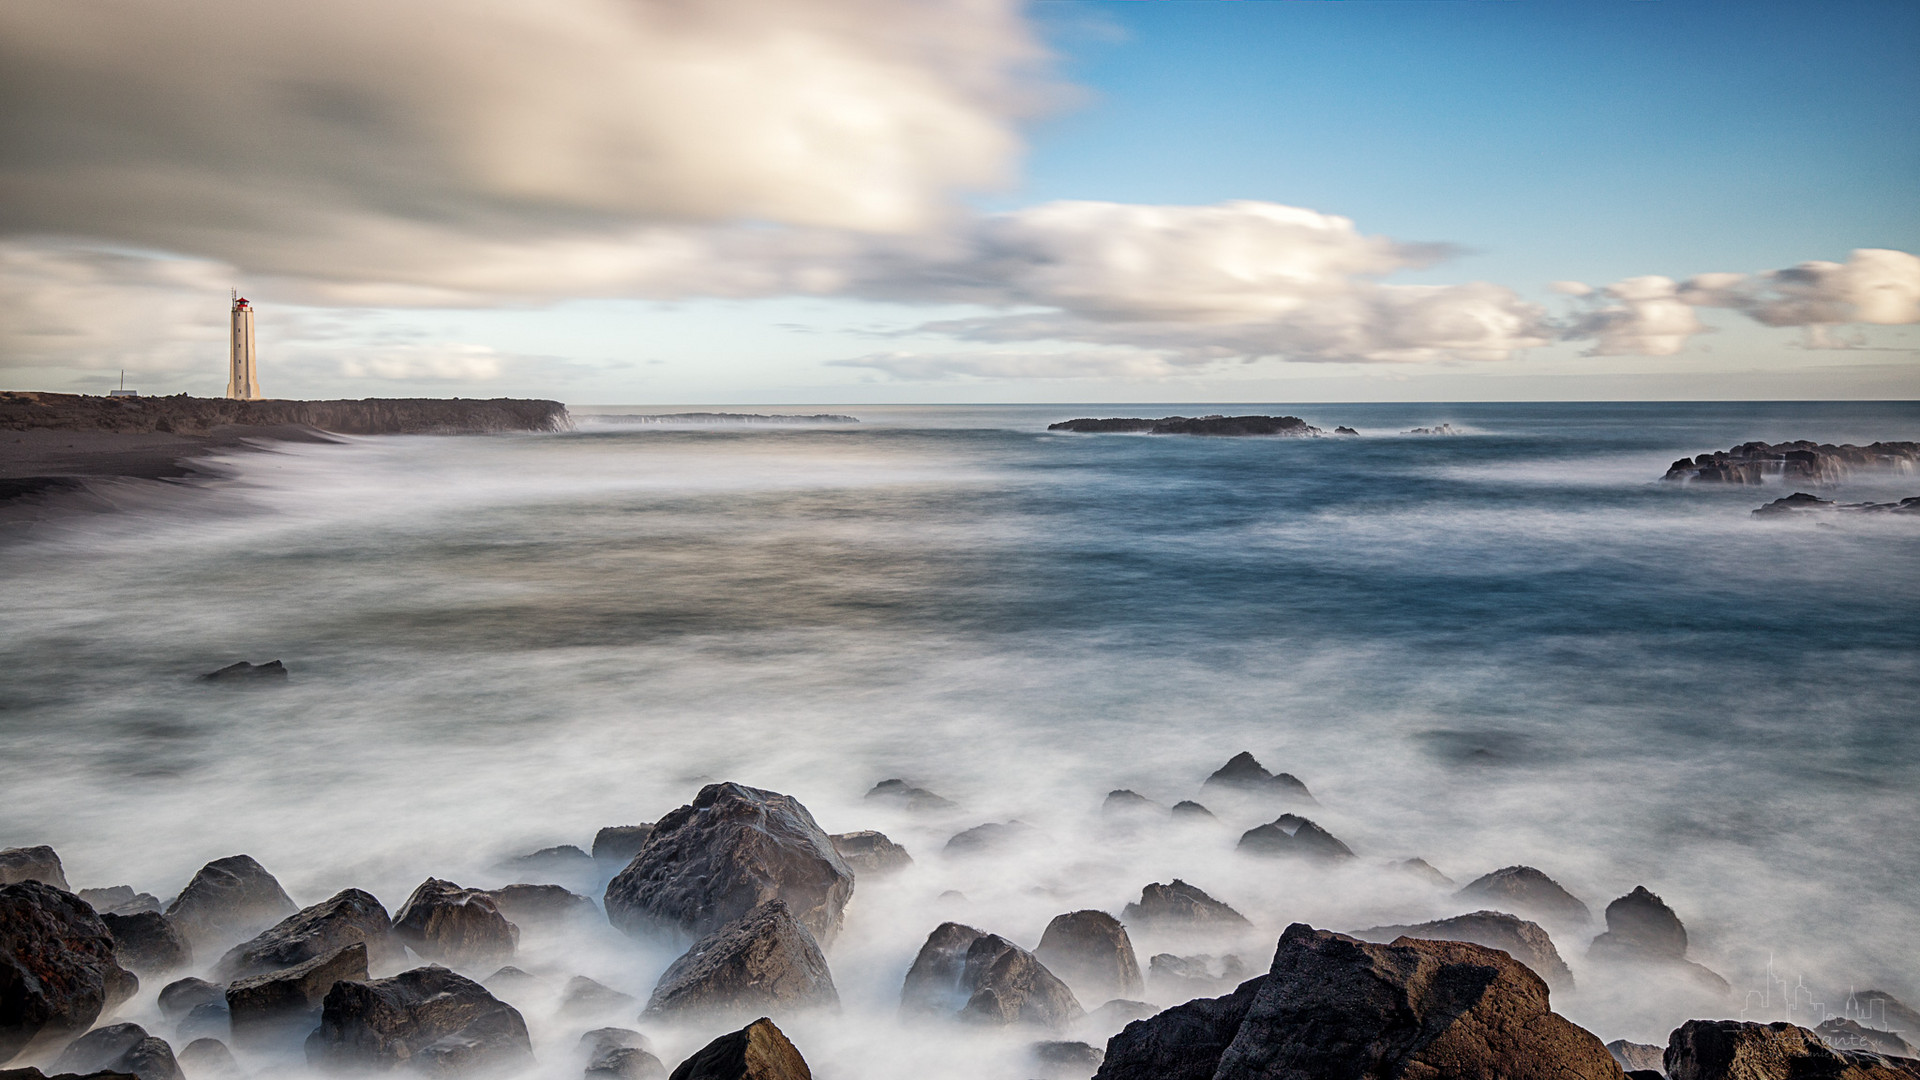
(182, 415)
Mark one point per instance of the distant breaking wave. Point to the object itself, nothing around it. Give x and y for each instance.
(719, 418)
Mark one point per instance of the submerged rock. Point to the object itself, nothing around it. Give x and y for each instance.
(1525, 941)
(58, 973)
(758, 1051)
(119, 900)
(244, 672)
(992, 836)
(620, 843)
(871, 853)
(442, 921)
(229, 900)
(1282, 426)
(762, 961)
(1091, 951)
(41, 864)
(428, 1019)
(583, 995)
(121, 1048)
(1528, 892)
(733, 849)
(147, 943)
(265, 1007)
(1296, 837)
(1637, 1057)
(1181, 906)
(349, 917)
(563, 860)
(908, 796)
(528, 904)
(1733, 1050)
(1243, 774)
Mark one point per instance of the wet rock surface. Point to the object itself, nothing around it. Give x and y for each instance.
(1091, 952)
(1182, 1043)
(1178, 905)
(1528, 892)
(1283, 426)
(1009, 985)
(1800, 503)
(620, 843)
(730, 851)
(264, 1007)
(1525, 941)
(1758, 462)
(764, 960)
(1733, 1050)
(121, 1048)
(527, 904)
(1243, 774)
(40, 863)
(147, 943)
(934, 982)
(430, 1020)
(872, 853)
(443, 922)
(759, 1051)
(58, 972)
(182, 996)
(349, 917)
(1292, 836)
(229, 900)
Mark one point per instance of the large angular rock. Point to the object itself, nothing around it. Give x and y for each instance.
(182, 996)
(57, 968)
(444, 922)
(733, 849)
(1530, 893)
(266, 1007)
(525, 905)
(765, 960)
(1733, 1050)
(1091, 951)
(1245, 776)
(1011, 986)
(758, 1051)
(933, 983)
(871, 853)
(229, 900)
(620, 843)
(1640, 925)
(1182, 1043)
(348, 917)
(1294, 836)
(1335, 1008)
(147, 943)
(121, 1048)
(428, 1019)
(119, 900)
(1180, 906)
(1524, 941)
(39, 864)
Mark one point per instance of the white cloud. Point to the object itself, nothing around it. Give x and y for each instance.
(1641, 316)
(446, 362)
(64, 306)
(1028, 364)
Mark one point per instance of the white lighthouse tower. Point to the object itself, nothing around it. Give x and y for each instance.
(243, 378)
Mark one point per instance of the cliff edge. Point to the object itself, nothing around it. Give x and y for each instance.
(183, 415)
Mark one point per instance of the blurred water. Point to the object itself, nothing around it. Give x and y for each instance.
(1509, 646)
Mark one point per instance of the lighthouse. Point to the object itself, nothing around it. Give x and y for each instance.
(243, 378)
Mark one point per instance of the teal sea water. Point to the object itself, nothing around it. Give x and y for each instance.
(1509, 645)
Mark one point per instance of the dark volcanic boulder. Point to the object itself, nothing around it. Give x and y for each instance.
(934, 981)
(147, 943)
(39, 864)
(265, 1007)
(121, 1048)
(119, 900)
(57, 968)
(1180, 906)
(1177, 978)
(1637, 1057)
(758, 1051)
(1518, 938)
(1640, 925)
(1528, 892)
(349, 917)
(1295, 837)
(1091, 951)
(620, 843)
(1733, 1050)
(869, 852)
(1244, 774)
(526, 904)
(182, 996)
(428, 1019)
(765, 960)
(209, 1059)
(229, 900)
(733, 849)
(1182, 1043)
(442, 921)
(908, 796)
(1334, 1008)
(1010, 985)
(625, 1063)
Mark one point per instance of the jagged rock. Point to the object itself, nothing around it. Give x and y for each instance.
(1892, 1013)
(1189, 811)
(1177, 978)
(992, 836)
(1755, 462)
(1091, 951)
(121, 1048)
(583, 995)
(620, 843)
(758, 1051)
(41, 864)
(1344, 430)
(528, 904)
(244, 672)
(1528, 892)
(595, 1042)
(733, 849)
(119, 900)
(1733, 1050)
(1800, 502)
(1421, 868)
(869, 852)
(1336, 1008)
(147, 943)
(768, 958)
(348, 917)
(1442, 429)
(1244, 774)
(1283, 426)
(442, 921)
(1009, 985)
(510, 977)
(264, 1007)
(1635, 1057)
(57, 967)
(229, 900)
(1844, 1034)
(565, 859)
(429, 1019)
(934, 981)
(1182, 906)
(1525, 941)
(1294, 836)
(1641, 926)
(1065, 1060)
(913, 798)
(208, 1059)
(179, 997)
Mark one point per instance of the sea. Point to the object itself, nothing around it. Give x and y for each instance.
(1514, 644)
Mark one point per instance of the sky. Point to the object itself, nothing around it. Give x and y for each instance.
(846, 201)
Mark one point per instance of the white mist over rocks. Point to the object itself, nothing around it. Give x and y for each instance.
(1509, 647)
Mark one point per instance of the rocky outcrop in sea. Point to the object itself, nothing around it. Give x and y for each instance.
(1291, 427)
(1802, 460)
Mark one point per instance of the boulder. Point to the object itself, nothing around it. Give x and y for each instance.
(584, 995)
(625, 1063)
(1245, 775)
(733, 849)
(349, 917)
(1186, 810)
(428, 1019)
(1294, 836)
(119, 900)
(1637, 1057)
(1181, 906)
(599, 1040)
(934, 981)
(1524, 941)
(1735, 1050)
(229, 900)
(1530, 893)
(765, 960)
(442, 921)
(181, 996)
(565, 860)
(1009, 985)
(906, 795)
(244, 672)
(39, 864)
(1131, 806)
(620, 843)
(1335, 1008)
(147, 943)
(1844, 1034)
(981, 839)
(209, 1059)
(262, 1008)
(524, 905)
(57, 968)
(1064, 1060)
(1178, 978)
(121, 1048)
(758, 1051)
(1090, 950)
(1640, 925)
(871, 853)
(208, 1020)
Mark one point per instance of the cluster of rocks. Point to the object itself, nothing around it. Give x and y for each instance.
(1801, 502)
(1757, 462)
(1282, 426)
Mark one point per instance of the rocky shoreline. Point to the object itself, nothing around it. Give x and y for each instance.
(1286, 427)
(754, 892)
(1802, 460)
